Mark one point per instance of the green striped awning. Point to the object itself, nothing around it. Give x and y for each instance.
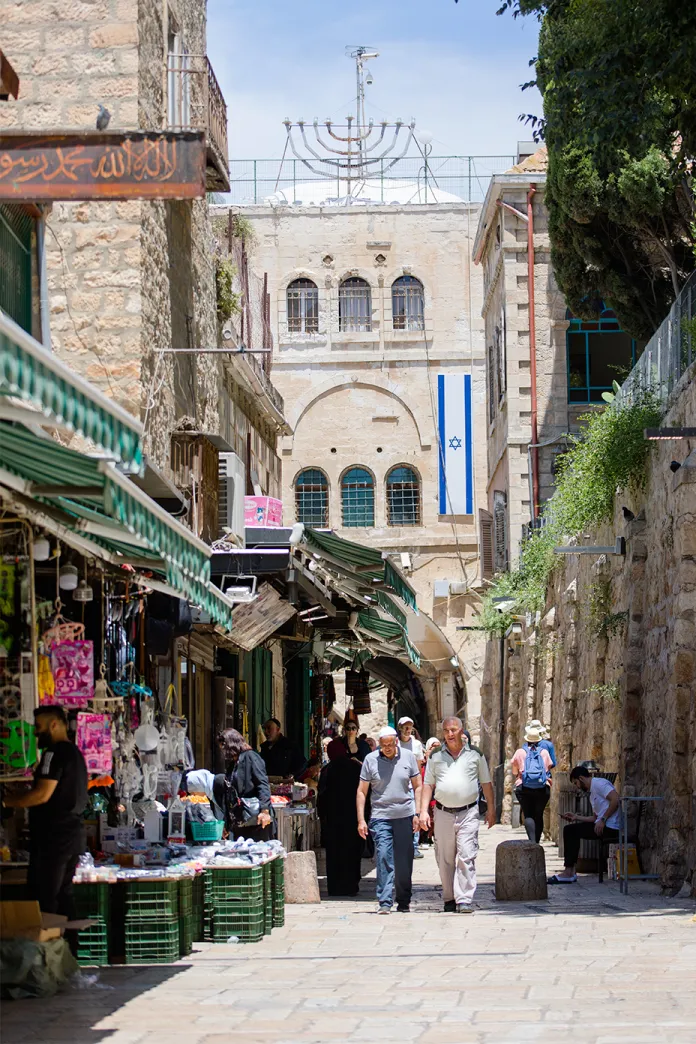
(31, 373)
(355, 559)
(98, 503)
(370, 621)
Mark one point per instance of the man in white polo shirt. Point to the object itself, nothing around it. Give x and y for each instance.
(454, 774)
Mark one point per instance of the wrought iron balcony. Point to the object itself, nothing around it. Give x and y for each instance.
(195, 102)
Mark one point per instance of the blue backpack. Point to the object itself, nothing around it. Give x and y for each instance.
(534, 775)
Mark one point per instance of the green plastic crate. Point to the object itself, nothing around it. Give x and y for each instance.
(152, 940)
(92, 900)
(185, 895)
(152, 898)
(233, 884)
(267, 899)
(240, 919)
(278, 872)
(93, 944)
(186, 934)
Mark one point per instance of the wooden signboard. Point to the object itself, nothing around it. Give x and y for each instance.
(255, 621)
(101, 165)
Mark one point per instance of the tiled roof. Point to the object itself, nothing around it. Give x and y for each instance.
(535, 164)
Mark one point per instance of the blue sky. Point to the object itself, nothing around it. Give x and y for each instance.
(456, 68)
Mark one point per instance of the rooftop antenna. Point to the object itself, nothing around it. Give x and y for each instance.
(356, 156)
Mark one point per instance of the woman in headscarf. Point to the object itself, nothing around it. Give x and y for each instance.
(338, 812)
(243, 792)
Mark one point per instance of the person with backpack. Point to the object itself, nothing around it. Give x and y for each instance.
(531, 766)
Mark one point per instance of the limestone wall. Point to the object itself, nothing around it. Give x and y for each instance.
(125, 279)
(611, 666)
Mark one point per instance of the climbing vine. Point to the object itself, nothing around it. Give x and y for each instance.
(610, 454)
(228, 302)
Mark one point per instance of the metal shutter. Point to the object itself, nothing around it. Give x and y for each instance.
(500, 559)
(486, 532)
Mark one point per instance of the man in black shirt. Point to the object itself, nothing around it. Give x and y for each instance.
(280, 756)
(56, 803)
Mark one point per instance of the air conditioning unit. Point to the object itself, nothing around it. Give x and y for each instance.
(231, 492)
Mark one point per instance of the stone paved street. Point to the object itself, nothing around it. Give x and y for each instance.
(589, 965)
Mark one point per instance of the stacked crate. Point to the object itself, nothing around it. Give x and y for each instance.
(267, 899)
(186, 916)
(234, 903)
(152, 921)
(278, 891)
(92, 902)
(198, 890)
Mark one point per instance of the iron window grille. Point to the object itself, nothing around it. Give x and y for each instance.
(303, 307)
(312, 498)
(599, 352)
(407, 304)
(354, 306)
(358, 498)
(403, 497)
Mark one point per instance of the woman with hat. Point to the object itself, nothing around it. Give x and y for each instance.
(531, 766)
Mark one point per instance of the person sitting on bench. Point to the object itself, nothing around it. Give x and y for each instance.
(602, 824)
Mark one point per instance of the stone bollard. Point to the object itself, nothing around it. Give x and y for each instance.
(520, 871)
(301, 884)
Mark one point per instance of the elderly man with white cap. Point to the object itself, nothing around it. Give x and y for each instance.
(453, 775)
(407, 741)
(393, 776)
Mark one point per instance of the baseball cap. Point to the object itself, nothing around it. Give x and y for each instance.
(406, 721)
(386, 733)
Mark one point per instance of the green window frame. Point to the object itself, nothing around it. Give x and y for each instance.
(598, 352)
(15, 264)
(358, 498)
(312, 498)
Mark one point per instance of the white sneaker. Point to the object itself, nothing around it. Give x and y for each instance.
(384, 910)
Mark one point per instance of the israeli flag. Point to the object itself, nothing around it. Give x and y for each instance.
(455, 449)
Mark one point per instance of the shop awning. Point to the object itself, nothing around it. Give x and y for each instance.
(388, 631)
(31, 373)
(91, 498)
(365, 563)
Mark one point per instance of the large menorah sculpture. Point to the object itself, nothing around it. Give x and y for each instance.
(356, 158)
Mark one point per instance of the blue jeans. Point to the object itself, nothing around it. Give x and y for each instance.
(394, 857)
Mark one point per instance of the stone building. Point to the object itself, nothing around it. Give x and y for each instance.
(379, 355)
(544, 368)
(127, 280)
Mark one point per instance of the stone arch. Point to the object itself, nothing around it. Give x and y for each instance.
(339, 381)
(299, 273)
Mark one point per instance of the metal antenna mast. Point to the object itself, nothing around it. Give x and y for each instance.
(356, 153)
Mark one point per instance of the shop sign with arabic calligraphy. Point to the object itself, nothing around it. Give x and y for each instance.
(95, 165)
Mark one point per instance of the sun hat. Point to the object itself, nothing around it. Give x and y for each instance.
(538, 725)
(531, 735)
(387, 732)
(406, 721)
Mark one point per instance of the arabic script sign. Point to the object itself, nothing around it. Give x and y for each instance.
(95, 165)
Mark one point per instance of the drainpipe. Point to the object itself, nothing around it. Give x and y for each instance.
(538, 446)
(532, 350)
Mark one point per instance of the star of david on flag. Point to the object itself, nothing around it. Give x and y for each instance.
(456, 469)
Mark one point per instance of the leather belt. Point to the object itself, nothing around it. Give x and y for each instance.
(462, 808)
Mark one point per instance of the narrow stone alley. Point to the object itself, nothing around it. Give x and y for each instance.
(588, 965)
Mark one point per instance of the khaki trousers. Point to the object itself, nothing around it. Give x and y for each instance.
(456, 848)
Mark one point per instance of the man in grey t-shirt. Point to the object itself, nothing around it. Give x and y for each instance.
(392, 775)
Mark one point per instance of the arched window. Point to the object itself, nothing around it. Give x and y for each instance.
(354, 305)
(407, 303)
(403, 497)
(303, 306)
(312, 498)
(358, 498)
(599, 352)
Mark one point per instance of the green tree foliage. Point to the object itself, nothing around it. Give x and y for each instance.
(618, 81)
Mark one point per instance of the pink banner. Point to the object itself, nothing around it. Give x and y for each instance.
(72, 664)
(94, 740)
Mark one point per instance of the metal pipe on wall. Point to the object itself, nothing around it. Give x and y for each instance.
(532, 349)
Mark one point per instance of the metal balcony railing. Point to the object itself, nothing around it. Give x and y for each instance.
(669, 352)
(195, 102)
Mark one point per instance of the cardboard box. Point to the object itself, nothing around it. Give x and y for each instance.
(263, 511)
(25, 920)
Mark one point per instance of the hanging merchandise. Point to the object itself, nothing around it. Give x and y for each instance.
(72, 664)
(17, 748)
(177, 822)
(47, 685)
(94, 740)
(361, 692)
